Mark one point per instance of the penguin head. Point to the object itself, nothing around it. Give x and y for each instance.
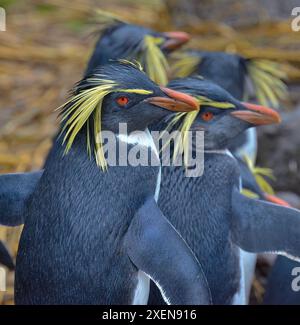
(226, 70)
(132, 42)
(221, 116)
(116, 93)
(125, 39)
(240, 76)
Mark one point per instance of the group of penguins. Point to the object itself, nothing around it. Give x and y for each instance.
(99, 234)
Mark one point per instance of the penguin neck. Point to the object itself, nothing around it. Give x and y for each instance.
(141, 139)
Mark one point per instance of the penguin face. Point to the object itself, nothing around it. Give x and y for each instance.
(125, 40)
(221, 116)
(139, 110)
(121, 93)
(219, 126)
(136, 100)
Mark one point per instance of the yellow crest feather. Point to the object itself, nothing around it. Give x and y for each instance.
(86, 104)
(260, 174)
(154, 60)
(249, 194)
(185, 65)
(267, 78)
(187, 119)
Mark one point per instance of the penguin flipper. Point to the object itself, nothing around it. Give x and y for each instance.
(5, 257)
(156, 248)
(15, 189)
(259, 226)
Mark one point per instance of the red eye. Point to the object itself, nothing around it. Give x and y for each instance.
(122, 101)
(207, 116)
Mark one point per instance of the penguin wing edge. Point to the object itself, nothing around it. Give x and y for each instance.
(155, 247)
(259, 226)
(15, 189)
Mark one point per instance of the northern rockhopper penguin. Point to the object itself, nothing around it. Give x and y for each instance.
(242, 78)
(210, 213)
(93, 233)
(120, 40)
(117, 40)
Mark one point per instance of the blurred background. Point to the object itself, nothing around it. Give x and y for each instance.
(47, 44)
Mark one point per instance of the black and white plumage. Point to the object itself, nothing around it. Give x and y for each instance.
(96, 237)
(217, 221)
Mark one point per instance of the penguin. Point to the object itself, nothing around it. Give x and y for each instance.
(117, 40)
(93, 233)
(120, 40)
(240, 76)
(209, 211)
(283, 283)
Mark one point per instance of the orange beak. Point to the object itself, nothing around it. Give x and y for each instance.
(257, 115)
(276, 200)
(176, 101)
(175, 40)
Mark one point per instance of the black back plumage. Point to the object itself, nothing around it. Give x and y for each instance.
(227, 70)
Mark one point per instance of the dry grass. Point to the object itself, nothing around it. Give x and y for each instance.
(45, 49)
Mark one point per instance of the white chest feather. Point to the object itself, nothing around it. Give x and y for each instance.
(142, 290)
(144, 138)
(240, 297)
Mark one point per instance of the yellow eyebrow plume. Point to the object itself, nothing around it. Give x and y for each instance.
(185, 65)
(267, 78)
(154, 60)
(86, 104)
(187, 120)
